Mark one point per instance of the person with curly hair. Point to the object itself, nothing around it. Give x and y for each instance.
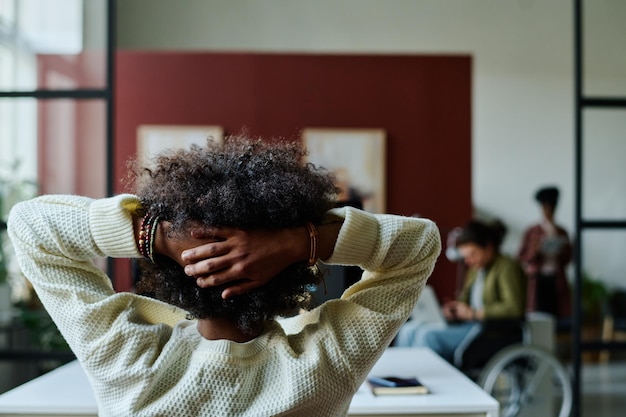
(233, 233)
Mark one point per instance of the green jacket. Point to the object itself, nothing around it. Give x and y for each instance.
(504, 295)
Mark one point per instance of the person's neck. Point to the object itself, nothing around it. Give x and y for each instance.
(220, 328)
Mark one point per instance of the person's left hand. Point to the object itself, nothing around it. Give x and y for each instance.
(245, 258)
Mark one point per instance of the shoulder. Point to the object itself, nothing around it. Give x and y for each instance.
(507, 262)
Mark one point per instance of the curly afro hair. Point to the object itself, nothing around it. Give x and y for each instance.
(239, 182)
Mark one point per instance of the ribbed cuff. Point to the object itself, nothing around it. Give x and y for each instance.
(357, 238)
(112, 226)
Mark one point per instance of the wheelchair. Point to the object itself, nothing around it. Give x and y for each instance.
(526, 379)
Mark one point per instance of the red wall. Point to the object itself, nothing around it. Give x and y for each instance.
(423, 103)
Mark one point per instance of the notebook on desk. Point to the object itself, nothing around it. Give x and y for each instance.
(427, 309)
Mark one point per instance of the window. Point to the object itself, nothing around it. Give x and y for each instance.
(55, 130)
(53, 92)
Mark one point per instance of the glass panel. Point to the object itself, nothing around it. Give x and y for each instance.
(603, 50)
(72, 147)
(603, 256)
(18, 140)
(7, 12)
(61, 144)
(52, 44)
(604, 270)
(604, 171)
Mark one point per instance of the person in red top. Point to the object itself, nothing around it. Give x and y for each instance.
(544, 253)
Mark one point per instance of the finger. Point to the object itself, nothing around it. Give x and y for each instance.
(207, 250)
(207, 281)
(238, 289)
(217, 278)
(209, 266)
(202, 232)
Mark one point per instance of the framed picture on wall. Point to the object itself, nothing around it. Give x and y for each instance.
(152, 139)
(358, 159)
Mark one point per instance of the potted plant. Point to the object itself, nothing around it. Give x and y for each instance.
(13, 189)
(5, 295)
(20, 304)
(594, 298)
(594, 294)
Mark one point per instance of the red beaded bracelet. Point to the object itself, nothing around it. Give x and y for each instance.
(147, 232)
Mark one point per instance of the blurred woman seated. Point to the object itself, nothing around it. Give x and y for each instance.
(494, 288)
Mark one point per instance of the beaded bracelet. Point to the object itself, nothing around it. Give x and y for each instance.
(147, 232)
(313, 234)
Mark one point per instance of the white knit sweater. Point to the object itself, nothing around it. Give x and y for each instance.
(144, 359)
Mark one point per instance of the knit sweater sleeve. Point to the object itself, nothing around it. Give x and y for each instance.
(56, 238)
(397, 255)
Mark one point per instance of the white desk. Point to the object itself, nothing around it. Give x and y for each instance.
(66, 391)
(452, 393)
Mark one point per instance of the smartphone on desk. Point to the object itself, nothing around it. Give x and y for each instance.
(395, 385)
(393, 381)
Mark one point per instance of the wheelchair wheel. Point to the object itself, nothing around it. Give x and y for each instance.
(527, 381)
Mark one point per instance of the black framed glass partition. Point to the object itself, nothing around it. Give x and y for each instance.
(56, 136)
